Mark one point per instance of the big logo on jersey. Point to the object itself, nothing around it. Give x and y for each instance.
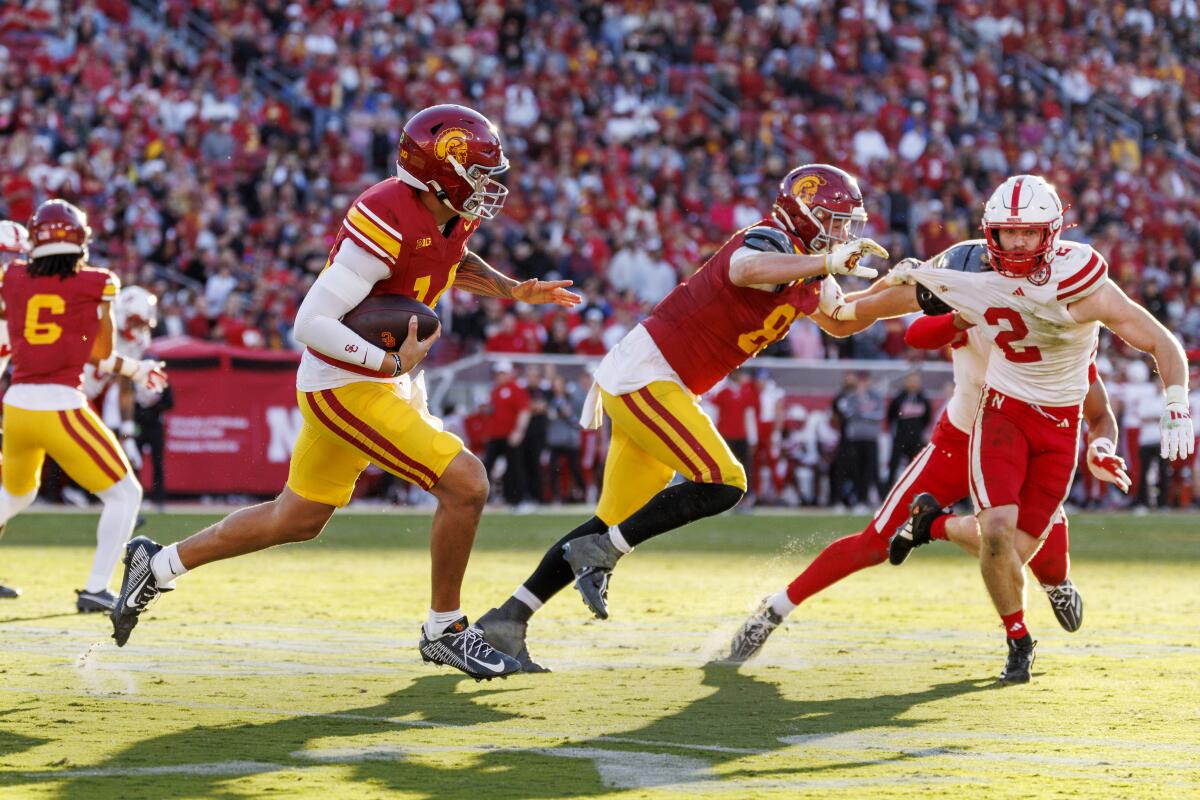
(452, 142)
(805, 189)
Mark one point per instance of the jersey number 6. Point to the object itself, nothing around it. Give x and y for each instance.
(1008, 339)
(36, 330)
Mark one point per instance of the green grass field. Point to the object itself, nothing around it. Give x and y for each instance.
(294, 673)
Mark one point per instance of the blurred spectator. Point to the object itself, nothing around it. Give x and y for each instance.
(908, 416)
(859, 414)
(563, 407)
(506, 431)
(735, 403)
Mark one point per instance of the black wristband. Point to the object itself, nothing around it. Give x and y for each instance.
(399, 370)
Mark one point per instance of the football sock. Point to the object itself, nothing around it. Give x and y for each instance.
(1052, 562)
(781, 604)
(553, 573)
(1014, 624)
(166, 566)
(839, 559)
(437, 621)
(521, 605)
(676, 506)
(937, 528)
(121, 503)
(13, 504)
(618, 540)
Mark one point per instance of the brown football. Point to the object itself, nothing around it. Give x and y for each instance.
(383, 320)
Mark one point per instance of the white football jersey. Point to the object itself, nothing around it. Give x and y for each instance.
(1039, 354)
(95, 383)
(970, 366)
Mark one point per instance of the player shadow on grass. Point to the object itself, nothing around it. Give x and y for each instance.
(743, 717)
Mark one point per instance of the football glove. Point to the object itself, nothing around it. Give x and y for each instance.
(843, 259)
(151, 374)
(901, 272)
(1175, 427)
(1104, 463)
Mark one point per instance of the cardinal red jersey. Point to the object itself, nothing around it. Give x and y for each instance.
(53, 322)
(389, 221)
(707, 326)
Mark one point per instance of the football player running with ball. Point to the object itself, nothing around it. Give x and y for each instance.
(59, 318)
(404, 236)
(1040, 308)
(746, 296)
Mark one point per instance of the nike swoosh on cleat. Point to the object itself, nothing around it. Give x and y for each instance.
(497, 668)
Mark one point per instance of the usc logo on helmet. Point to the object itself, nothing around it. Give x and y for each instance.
(805, 189)
(452, 142)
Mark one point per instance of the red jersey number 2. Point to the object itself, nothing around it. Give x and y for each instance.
(1010, 335)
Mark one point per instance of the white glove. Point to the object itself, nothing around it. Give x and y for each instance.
(1104, 463)
(843, 259)
(129, 444)
(901, 273)
(1175, 426)
(150, 374)
(831, 297)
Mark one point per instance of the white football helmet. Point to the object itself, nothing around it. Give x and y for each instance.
(1023, 201)
(136, 309)
(14, 241)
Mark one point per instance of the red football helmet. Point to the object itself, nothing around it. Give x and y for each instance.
(58, 228)
(821, 206)
(454, 152)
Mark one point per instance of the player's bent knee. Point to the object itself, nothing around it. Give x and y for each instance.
(295, 519)
(719, 497)
(464, 482)
(736, 478)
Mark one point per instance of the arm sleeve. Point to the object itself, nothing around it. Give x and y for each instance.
(343, 285)
(931, 333)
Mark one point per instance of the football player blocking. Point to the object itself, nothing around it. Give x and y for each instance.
(746, 296)
(1036, 303)
(403, 236)
(59, 320)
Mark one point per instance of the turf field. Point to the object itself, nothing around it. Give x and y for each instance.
(295, 673)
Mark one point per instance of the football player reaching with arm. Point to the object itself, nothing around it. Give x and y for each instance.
(59, 318)
(938, 475)
(361, 404)
(741, 300)
(1040, 307)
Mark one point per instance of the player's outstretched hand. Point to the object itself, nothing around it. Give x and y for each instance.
(843, 259)
(1175, 428)
(901, 273)
(1104, 463)
(831, 297)
(151, 374)
(536, 292)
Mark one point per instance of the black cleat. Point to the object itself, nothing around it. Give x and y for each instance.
(753, 635)
(94, 602)
(1067, 604)
(508, 636)
(138, 587)
(1019, 667)
(915, 532)
(9, 592)
(592, 559)
(463, 647)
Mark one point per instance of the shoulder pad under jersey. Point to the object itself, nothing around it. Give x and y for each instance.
(768, 240)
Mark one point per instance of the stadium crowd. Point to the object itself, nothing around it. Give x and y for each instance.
(641, 135)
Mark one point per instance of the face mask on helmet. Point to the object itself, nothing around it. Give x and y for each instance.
(488, 194)
(838, 227)
(1023, 202)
